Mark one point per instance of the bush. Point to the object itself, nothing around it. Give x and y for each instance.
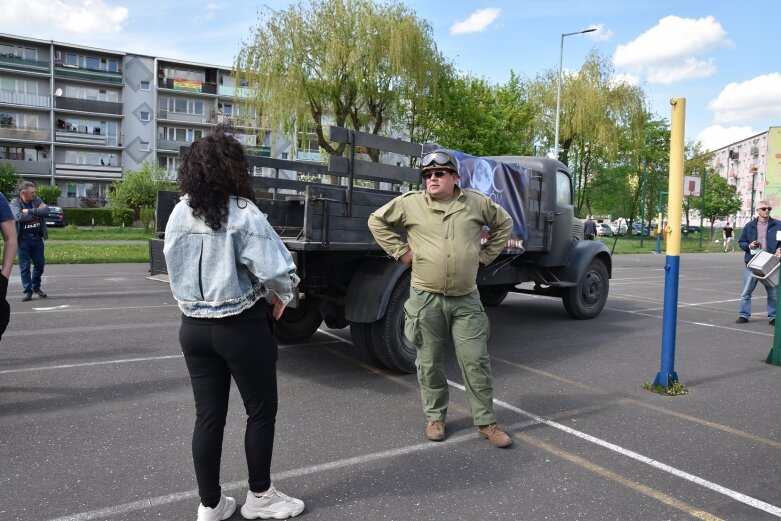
(49, 193)
(101, 216)
(92, 202)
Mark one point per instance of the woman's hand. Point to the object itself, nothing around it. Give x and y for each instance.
(278, 307)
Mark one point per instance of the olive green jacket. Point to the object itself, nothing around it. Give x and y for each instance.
(446, 244)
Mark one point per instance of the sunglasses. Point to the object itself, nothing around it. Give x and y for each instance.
(439, 158)
(437, 174)
(764, 209)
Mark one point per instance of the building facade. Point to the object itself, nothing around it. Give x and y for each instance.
(79, 117)
(753, 167)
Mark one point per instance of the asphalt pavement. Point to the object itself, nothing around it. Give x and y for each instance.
(96, 411)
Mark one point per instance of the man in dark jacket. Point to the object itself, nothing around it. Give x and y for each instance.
(760, 234)
(589, 229)
(29, 212)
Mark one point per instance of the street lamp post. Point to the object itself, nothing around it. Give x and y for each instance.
(558, 89)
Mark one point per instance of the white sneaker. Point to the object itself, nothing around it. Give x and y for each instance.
(223, 510)
(271, 505)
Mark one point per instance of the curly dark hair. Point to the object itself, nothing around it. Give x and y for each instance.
(214, 169)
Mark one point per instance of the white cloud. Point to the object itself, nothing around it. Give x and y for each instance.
(667, 52)
(629, 79)
(757, 98)
(477, 21)
(62, 19)
(601, 34)
(716, 136)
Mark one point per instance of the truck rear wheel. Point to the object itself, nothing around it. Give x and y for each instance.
(492, 295)
(587, 299)
(298, 324)
(385, 339)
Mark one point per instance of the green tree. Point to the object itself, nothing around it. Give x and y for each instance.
(49, 193)
(483, 119)
(721, 199)
(696, 163)
(350, 63)
(8, 180)
(137, 190)
(601, 120)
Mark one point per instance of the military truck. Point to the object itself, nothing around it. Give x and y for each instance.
(321, 211)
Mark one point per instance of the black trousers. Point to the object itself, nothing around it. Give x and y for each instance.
(215, 350)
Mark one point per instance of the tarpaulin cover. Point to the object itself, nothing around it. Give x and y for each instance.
(506, 184)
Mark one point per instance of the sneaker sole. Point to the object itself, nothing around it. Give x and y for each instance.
(263, 515)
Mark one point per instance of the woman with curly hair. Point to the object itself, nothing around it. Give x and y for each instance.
(230, 274)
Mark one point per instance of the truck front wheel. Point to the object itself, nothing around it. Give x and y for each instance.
(587, 299)
(298, 324)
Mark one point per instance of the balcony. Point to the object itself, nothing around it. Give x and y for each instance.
(22, 168)
(77, 73)
(236, 92)
(25, 134)
(72, 170)
(182, 117)
(172, 145)
(194, 86)
(81, 136)
(86, 105)
(29, 99)
(9, 61)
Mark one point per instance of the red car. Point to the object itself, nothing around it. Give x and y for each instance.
(56, 217)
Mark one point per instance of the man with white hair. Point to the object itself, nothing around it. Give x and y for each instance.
(761, 234)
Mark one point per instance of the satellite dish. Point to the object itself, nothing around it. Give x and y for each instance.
(58, 92)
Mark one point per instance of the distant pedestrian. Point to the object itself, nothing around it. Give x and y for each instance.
(727, 234)
(8, 229)
(760, 234)
(232, 276)
(589, 229)
(29, 211)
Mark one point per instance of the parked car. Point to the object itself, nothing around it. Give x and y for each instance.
(56, 217)
(604, 229)
(690, 229)
(618, 228)
(637, 229)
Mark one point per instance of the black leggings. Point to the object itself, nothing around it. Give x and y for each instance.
(214, 350)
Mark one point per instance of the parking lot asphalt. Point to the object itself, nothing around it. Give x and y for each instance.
(96, 411)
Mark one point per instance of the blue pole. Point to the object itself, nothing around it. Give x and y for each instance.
(667, 374)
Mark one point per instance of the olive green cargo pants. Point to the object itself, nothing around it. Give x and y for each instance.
(431, 320)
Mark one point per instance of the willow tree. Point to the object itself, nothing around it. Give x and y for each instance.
(348, 63)
(599, 118)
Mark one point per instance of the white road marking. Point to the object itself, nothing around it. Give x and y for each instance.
(63, 306)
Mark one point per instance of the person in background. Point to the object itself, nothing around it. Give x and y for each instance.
(760, 234)
(444, 225)
(8, 229)
(231, 276)
(29, 211)
(589, 229)
(727, 234)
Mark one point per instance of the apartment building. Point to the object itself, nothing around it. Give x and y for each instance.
(80, 117)
(753, 167)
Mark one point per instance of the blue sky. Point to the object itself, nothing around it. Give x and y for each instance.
(723, 57)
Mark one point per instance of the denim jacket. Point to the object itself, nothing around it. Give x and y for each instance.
(215, 274)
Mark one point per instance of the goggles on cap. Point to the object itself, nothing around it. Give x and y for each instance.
(437, 159)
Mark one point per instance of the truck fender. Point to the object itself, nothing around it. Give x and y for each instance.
(583, 252)
(370, 288)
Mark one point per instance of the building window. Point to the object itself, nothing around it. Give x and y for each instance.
(145, 85)
(144, 116)
(143, 146)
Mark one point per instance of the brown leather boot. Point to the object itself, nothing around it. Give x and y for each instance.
(435, 430)
(495, 435)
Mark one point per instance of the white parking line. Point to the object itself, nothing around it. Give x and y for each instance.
(359, 460)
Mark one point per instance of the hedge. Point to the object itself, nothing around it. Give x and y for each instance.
(102, 217)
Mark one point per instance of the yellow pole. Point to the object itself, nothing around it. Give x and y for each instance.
(675, 190)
